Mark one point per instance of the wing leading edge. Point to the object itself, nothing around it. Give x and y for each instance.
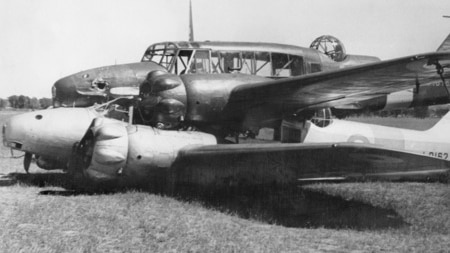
(339, 87)
(225, 165)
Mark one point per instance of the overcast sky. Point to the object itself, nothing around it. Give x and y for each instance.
(44, 40)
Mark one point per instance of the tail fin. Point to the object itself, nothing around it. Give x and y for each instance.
(445, 46)
(443, 125)
(191, 25)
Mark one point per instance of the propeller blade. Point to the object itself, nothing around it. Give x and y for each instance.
(27, 161)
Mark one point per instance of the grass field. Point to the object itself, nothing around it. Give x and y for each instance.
(38, 215)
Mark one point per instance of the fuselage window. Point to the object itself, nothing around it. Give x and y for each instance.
(267, 64)
(200, 63)
(252, 63)
(287, 65)
(181, 64)
(231, 62)
(248, 62)
(280, 65)
(216, 62)
(263, 65)
(297, 65)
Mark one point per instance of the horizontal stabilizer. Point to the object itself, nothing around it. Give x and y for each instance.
(226, 165)
(442, 125)
(445, 46)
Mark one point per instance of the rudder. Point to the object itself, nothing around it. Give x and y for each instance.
(445, 46)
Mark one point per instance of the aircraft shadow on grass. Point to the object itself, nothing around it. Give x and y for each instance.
(287, 206)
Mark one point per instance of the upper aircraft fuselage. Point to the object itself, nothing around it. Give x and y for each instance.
(256, 59)
(190, 82)
(204, 74)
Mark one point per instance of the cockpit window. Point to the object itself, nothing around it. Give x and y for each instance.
(163, 54)
(287, 65)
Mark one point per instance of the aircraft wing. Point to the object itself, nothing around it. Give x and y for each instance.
(333, 88)
(225, 165)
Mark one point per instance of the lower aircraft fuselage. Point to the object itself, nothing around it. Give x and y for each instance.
(434, 142)
(108, 150)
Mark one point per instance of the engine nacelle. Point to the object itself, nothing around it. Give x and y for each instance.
(114, 151)
(164, 100)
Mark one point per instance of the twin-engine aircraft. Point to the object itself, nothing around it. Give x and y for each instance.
(167, 126)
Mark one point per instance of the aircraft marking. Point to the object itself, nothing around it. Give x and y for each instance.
(442, 155)
(438, 84)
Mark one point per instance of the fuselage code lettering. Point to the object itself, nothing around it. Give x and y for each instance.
(441, 155)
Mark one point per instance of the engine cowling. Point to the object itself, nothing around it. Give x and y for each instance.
(113, 151)
(163, 100)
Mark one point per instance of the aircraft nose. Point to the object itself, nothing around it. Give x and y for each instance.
(49, 132)
(13, 132)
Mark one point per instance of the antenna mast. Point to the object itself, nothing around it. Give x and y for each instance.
(191, 25)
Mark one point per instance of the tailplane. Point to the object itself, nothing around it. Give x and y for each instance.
(445, 46)
(443, 125)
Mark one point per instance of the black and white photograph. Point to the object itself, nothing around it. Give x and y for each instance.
(224, 126)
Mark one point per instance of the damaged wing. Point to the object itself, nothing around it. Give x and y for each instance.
(225, 165)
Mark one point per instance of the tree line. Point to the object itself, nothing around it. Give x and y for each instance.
(25, 102)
